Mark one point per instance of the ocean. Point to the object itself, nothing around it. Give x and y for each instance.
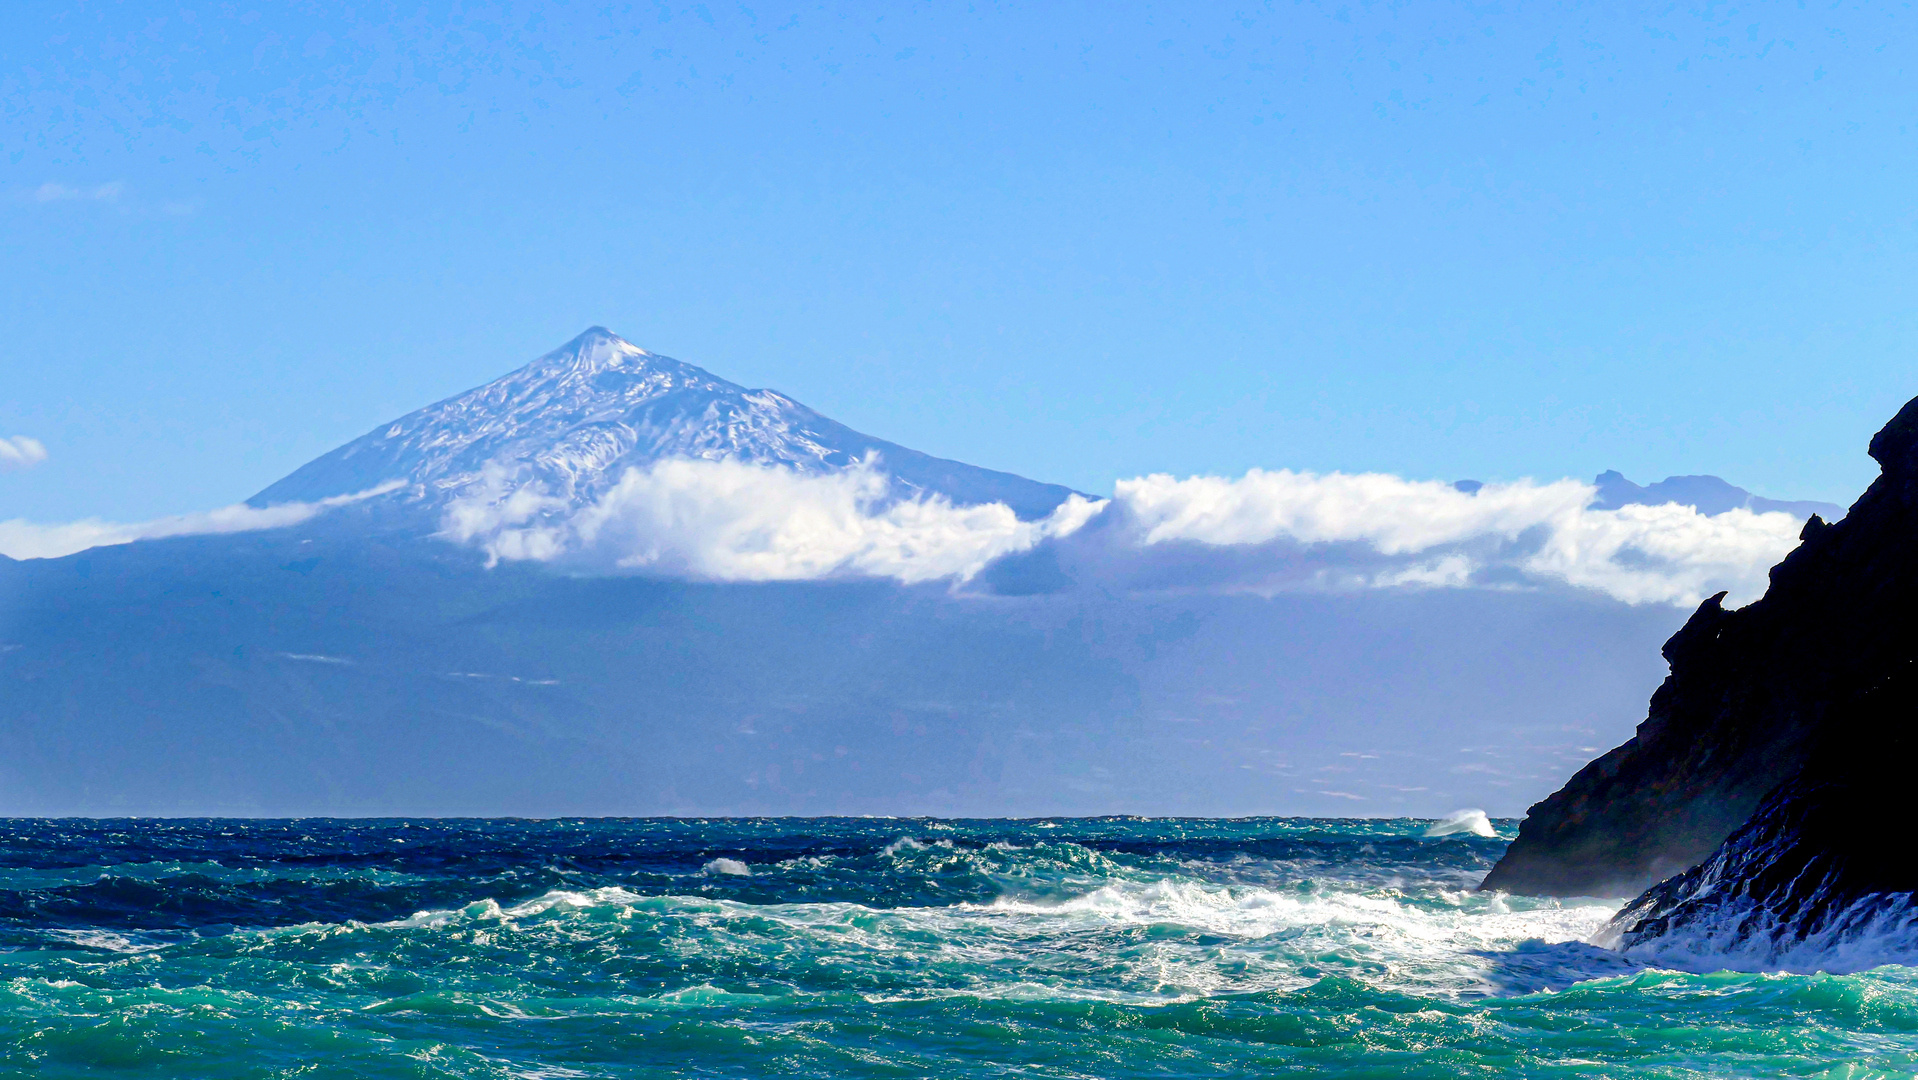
(1109, 947)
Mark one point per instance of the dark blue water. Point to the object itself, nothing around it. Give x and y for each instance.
(1072, 948)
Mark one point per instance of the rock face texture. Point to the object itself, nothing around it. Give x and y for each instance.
(1823, 874)
(1753, 697)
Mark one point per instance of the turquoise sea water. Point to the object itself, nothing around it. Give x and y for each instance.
(851, 948)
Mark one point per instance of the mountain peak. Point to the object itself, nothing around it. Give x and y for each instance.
(597, 347)
(573, 421)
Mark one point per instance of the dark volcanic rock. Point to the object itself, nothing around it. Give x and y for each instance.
(1821, 877)
(1749, 693)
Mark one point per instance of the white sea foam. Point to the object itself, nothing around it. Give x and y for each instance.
(105, 940)
(1473, 822)
(1876, 930)
(1251, 912)
(1199, 937)
(731, 867)
(1462, 942)
(706, 995)
(570, 900)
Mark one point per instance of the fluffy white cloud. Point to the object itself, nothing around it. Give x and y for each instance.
(1392, 514)
(30, 540)
(732, 521)
(20, 452)
(1381, 530)
(1669, 554)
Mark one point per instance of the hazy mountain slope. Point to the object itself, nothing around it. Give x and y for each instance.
(266, 675)
(575, 419)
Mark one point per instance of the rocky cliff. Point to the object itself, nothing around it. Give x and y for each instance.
(1822, 876)
(1752, 694)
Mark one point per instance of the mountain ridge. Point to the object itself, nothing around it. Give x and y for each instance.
(1709, 495)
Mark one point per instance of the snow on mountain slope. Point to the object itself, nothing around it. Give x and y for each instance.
(572, 422)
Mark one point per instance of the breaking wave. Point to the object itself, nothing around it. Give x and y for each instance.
(1463, 821)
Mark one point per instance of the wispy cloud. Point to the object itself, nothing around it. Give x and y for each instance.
(55, 192)
(31, 540)
(20, 452)
(116, 194)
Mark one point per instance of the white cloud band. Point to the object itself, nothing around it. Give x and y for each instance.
(1263, 532)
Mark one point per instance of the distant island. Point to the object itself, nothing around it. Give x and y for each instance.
(436, 633)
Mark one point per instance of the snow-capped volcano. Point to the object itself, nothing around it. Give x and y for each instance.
(575, 420)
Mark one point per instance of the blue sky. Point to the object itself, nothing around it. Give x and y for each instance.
(1079, 242)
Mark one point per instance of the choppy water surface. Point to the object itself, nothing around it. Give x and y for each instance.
(897, 948)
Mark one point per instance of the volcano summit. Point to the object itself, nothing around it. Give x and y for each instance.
(572, 422)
